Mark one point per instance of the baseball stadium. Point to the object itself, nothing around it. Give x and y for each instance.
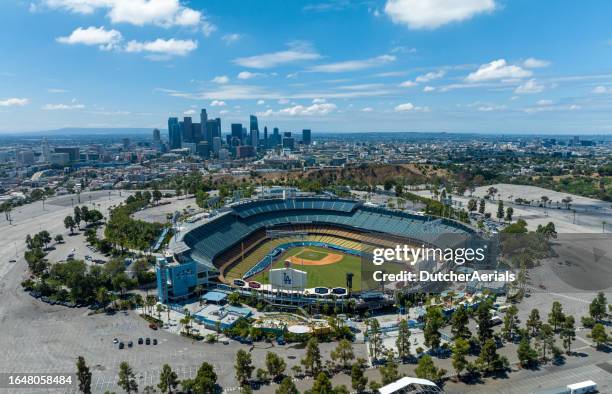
(321, 238)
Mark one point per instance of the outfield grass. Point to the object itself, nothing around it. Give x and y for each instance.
(331, 275)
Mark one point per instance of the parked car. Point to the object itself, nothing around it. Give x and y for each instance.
(154, 341)
(130, 344)
(148, 341)
(121, 345)
(140, 341)
(115, 340)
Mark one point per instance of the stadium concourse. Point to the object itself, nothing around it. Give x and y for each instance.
(236, 244)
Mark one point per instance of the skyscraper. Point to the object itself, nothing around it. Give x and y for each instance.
(306, 137)
(156, 136)
(237, 132)
(254, 130)
(45, 152)
(174, 133)
(187, 129)
(203, 125)
(265, 139)
(213, 129)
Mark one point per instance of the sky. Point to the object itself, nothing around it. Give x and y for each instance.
(494, 66)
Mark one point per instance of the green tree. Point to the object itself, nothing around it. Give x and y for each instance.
(483, 317)
(374, 338)
(205, 381)
(599, 335)
(597, 308)
(545, 340)
(511, 322)
(127, 379)
(312, 358)
(83, 375)
(500, 210)
(481, 206)
(359, 381)
(488, 359)
(460, 350)
(287, 387)
(244, 366)
(556, 316)
(343, 353)
(403, 340)
(389, 371)
(526, 354)
(168, 380)
(459, 324)
(533, 322)
(69, 223)
(275, 365)
(321, 385)
(509, 213)
(568, 333)
(433, 323)
(426, 369)
(472, 205)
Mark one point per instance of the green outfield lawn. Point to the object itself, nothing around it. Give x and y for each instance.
(331, 275)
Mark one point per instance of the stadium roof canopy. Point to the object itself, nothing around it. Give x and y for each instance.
(410, 385)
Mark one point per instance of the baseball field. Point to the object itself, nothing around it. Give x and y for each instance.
(325, 267)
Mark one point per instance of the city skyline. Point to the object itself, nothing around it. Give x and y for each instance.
(480, 66)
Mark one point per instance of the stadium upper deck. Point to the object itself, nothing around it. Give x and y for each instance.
(204, 241)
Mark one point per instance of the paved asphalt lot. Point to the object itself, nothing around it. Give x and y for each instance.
(37, 337)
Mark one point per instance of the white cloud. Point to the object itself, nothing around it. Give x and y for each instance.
(430, 76)
(428, 89)
(431, 14)
(298, 51)
(367, 109)
(164, 13)
(62, 107)
(231, 38)
(189, 112)
(314, 109)
(249, 75)
(318, 100)
(497, 69)
(208, 28)
(14, 102)
(531, 86)
(491, 108)
(260, 102)
(408, 84)
(353, 65)
(223, 112)
(548, 106)
(283, 101)
(105, 39)
(217, 103)
(163, 47)
(55, 90)
(535, 63)
(409, 107)
(221, 79)
(601, 90)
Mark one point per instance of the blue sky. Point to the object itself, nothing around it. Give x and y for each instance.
(496, 66)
